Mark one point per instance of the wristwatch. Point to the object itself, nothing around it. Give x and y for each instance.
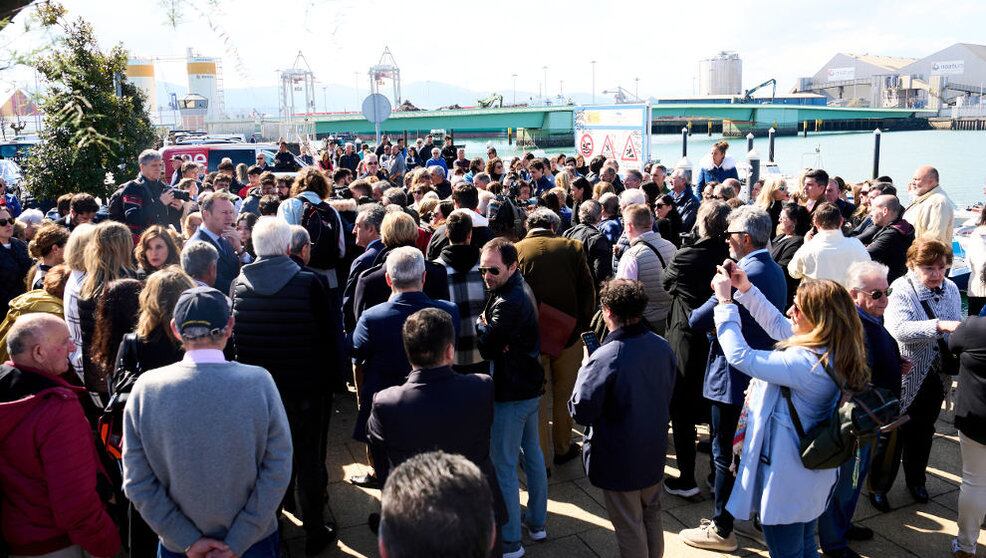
(726, 301)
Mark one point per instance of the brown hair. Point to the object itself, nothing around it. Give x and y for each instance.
(835, 327)
(928, 251)
(827, 216)
(152, 232)
(54, 281)
(47, 237)
(158, 300)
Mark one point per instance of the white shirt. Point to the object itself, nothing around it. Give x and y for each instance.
(827, 255)
(204, 356)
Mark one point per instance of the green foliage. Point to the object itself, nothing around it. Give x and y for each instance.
(88, 129)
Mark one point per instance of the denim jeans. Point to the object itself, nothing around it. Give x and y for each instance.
(264, 548)
(837, 517)
(723, 425)
(515, 429)
(796, 540)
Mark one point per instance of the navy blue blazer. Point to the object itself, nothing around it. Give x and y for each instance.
(623, 394)
(378, 346)
(228, 266)
(361, 263)
(723, 383)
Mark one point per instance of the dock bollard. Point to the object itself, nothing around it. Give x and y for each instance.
(749, 142)
(876, 152)
(770, 143)
(684, 142)
(753, 158)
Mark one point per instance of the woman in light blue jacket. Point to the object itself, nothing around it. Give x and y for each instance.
(823, 331)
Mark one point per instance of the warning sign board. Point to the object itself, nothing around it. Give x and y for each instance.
(586, 145)
(630, 151)
(599, 129)
(607, 150)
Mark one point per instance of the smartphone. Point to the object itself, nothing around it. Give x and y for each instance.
(591, 341)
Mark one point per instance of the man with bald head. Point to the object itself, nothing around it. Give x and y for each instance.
(931, 212)
(893, 236)
(48, 463)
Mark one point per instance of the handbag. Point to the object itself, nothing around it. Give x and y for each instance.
(555, 328)
(109, 426)
(948, 363)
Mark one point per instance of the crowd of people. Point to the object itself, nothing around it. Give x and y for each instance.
(174, 351)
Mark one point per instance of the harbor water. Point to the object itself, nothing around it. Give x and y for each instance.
(959, 156)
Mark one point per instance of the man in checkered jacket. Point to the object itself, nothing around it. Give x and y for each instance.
(466, 289)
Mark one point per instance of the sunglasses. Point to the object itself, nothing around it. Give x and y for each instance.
(5, 222)
(736, 232)
(877, 295)
(494, 271)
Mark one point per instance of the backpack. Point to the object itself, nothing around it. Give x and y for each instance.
(109, 426)
(322, 224)
(856, 421)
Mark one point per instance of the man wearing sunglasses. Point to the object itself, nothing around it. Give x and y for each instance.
(869, 288)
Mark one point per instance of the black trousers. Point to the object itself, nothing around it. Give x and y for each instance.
(725, 418)
(688, 408)
(911, 443)
(976, 304)
(308, 417)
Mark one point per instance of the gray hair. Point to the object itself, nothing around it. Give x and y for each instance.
(435, 151)
(197, 257)
(543, 218)
(635, 174)
(437, 170)
(483, 177)
(405, 266)
(373, 214)
(299, 239)
(753, 221)
(31, 216)
(271, 236)
(395, 195)
(371, 157)
(28, 332)
(858, 271)
(590, 211)
(148, 156)
(610, 203)
(632, 197)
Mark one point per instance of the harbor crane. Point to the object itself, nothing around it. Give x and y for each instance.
(748, 94)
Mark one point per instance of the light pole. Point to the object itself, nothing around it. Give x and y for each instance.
(356, 81)
(593, 82)
(325, 98)
(515, 89)
(636, 87)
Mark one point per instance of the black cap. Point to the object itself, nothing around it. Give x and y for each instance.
(202, 307)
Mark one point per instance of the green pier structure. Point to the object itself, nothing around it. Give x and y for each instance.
(552, 125)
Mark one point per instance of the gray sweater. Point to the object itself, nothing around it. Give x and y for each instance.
(207, 452)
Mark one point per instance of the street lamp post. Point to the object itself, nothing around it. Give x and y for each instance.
(515, 88)
(593, 82)
(545, 69)
(636, 87)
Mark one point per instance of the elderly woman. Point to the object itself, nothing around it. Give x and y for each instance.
(924, 307)
(821, 346)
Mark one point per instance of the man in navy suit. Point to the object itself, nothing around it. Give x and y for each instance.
(413, 418)
(369, 221)
(378, 341)
(218, 218)
(747, 235)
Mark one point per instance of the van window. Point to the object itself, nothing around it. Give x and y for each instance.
(245, 156)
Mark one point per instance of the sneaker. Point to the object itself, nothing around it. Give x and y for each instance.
(680, 487)
(518, 553)
(706, 537)
(537, 535)
(957, 552)
(750, 530)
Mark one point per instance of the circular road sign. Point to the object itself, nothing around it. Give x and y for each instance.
(376, 108)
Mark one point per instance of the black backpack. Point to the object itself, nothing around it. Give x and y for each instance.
(322, 224)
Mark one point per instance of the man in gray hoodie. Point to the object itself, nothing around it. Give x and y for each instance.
(207, 450)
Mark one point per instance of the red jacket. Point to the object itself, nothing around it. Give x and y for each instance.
(48, 468)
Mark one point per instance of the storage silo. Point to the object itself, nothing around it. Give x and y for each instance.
(202, 81)
(720, 75)
(140, 72)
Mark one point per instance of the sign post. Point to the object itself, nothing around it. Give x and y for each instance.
(376, 109)
(620, 132)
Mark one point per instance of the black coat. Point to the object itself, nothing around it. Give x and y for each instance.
(439, 240)
(598, 250)
(139, 355)
(687, 279)
(969, 342)
(511, 340)
(782, 250)
(889, 247)
(372, 289)
(142, 205)
(282, 324)
(14, 265)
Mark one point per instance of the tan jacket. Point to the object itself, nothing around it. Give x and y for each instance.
(932, 213)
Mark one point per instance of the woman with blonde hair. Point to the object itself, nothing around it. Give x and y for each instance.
(75, 250)
(563, 180)
(771, 199)
(155, 250)
(107, 257)
(821, 351)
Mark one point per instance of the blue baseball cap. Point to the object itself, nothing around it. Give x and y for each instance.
(203, 307)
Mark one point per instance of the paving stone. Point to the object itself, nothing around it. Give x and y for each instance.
(569, 547)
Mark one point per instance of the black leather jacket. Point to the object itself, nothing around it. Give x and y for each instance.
(510, 339)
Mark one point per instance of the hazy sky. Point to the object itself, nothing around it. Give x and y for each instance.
(479, 45)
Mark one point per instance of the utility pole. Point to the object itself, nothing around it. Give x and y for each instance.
(593, 82)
